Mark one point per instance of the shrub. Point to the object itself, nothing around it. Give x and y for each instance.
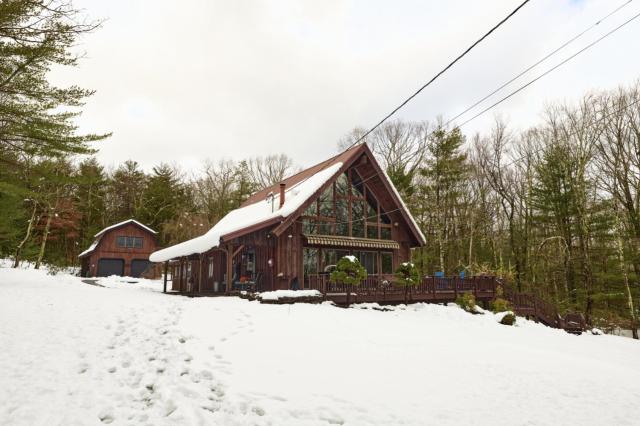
(467, 301)
(407, 276)
(348, 271)
(500, 305)
(508, 319)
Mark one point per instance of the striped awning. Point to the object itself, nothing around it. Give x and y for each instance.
(337, 241)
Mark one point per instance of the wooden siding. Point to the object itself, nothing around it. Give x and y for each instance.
(108, 249)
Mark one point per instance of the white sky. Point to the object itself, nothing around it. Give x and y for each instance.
(182, 81)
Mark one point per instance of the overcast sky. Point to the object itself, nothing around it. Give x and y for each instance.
(179, 81)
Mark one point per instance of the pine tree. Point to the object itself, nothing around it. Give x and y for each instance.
(36, 35)
(444, 170)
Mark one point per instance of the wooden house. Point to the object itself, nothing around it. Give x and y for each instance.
(121, 249)
(289, 235)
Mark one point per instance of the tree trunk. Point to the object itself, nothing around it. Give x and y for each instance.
(45, 235)
(16, 261)
(625, 275)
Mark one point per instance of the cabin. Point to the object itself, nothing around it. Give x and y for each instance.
(121, 249)
(290, 235)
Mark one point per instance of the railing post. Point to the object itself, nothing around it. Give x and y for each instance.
(433, 281)
(455, 287)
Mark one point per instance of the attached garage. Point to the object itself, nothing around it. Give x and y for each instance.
(107, 267)
(138, 266)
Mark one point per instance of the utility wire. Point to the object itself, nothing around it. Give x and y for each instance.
(565, 44)
(521, 88)
(406, 101)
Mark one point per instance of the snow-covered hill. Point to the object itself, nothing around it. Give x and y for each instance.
(72, 353)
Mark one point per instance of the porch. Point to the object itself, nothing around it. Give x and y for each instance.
(380, 289)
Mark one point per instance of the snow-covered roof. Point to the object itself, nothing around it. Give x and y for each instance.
(124, 222)
(249, 215)
(91, 248)
(95, 242)
(404, 206)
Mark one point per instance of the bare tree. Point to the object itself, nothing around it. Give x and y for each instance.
(269, 170)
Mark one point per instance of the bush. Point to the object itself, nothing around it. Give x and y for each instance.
(501, 305)
(348, 271)
(467, 302)
(508, 319)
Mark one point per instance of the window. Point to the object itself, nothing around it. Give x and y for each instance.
(386, 262)
(358, 186)
(372, 231)
(342, 185)
(309, 227)
(368, 259)
(372, 208)
(326, 203)
(342, 217)
(347, 208)
(129, 242)
(329, 258)
(211, 267)
(385, 232)
(325, 228)
(384, 218)
(309, 263)
(357, 218)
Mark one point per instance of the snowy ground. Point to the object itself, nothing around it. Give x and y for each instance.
(77, 354)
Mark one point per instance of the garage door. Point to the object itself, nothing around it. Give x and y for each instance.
(108, 267)
(138, 266)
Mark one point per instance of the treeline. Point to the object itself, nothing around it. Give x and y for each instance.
(57, 207)
(554, 209)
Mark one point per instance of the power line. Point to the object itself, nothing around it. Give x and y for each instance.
(565, 44)
(550, 70)
(406, 101)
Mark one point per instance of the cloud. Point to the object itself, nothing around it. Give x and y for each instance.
(183, 81)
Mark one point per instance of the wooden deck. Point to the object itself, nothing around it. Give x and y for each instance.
(380, 289)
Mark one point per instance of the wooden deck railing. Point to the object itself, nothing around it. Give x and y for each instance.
(382, 288)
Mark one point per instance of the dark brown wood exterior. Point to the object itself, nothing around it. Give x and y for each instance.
(269, 256)
(107, 248)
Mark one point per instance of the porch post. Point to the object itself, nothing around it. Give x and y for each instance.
(166, 270)
(199, 272)
(229, 268)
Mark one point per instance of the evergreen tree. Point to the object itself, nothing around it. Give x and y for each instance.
(164, 198)
(349, 272)
(90, 193)
(126, 190)
(36, 35)
(443, 173)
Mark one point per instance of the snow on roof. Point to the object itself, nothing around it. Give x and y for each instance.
(404, 206)
(252, 214)
(91, 248)
(124, 222)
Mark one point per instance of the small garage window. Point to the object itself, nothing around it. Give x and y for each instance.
(129, 242)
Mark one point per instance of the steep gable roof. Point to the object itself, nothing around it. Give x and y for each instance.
(99, 235)
(259, 211)
(125, 222)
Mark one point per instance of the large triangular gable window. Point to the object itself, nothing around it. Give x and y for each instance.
(347, 208)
